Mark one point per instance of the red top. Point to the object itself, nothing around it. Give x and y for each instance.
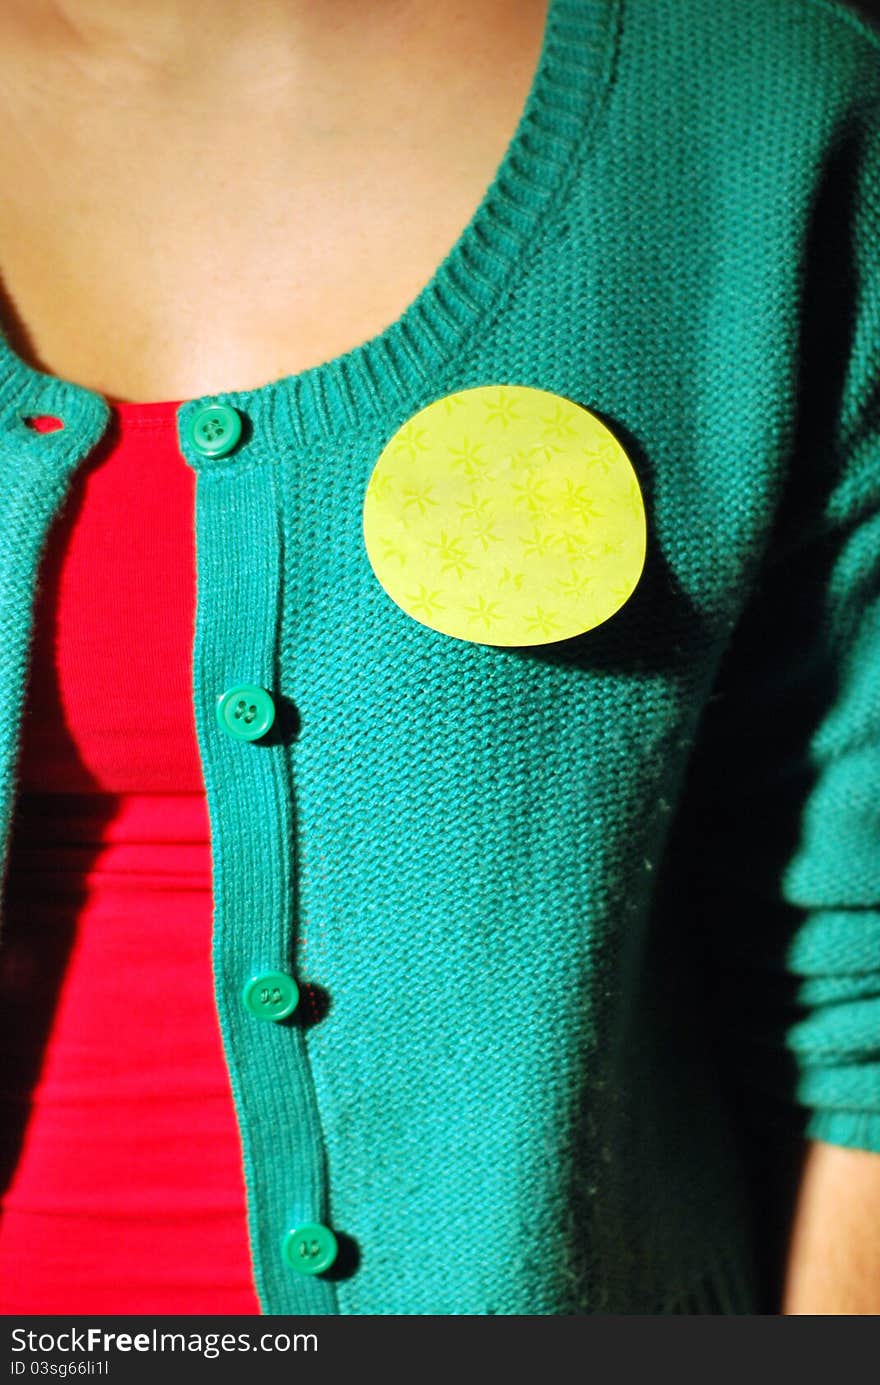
(120, 1164)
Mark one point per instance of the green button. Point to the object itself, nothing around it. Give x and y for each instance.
(246, 712)
(215, 429)
(310, 1248)
(271, 995)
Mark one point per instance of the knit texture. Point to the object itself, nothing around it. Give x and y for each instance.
(562, 914)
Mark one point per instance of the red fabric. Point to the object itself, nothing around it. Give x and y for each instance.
(120, 1161)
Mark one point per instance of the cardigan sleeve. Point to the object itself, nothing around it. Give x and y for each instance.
(775, 858)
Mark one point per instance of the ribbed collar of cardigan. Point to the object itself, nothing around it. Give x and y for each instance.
(396, 372)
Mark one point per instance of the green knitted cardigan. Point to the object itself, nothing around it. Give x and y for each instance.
(563, 914)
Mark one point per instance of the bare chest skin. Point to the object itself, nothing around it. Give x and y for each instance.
(169, 236)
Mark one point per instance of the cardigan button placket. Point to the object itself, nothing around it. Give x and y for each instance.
(253, 834)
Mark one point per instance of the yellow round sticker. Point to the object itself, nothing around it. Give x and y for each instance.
(505, 515)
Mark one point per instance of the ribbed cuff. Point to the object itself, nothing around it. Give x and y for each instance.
(853, 1129)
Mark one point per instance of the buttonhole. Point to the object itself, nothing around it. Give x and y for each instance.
(43, 423)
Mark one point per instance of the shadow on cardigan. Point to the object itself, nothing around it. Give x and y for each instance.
(727, 915)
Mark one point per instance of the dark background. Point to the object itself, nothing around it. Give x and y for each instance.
(869, 8)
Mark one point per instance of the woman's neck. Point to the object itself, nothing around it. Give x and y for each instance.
(195, 40)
